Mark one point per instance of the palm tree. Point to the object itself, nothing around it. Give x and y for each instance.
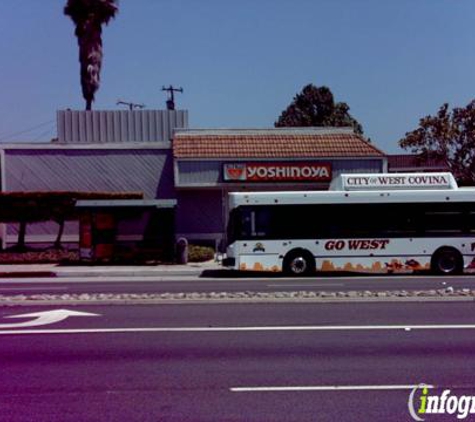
(89, 16)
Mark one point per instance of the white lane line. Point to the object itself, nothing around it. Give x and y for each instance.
(240, 329)
(307, 285)
(372, 279)
(325, 388)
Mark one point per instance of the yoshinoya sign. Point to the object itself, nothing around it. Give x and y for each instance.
(398, 181)
(277, 172)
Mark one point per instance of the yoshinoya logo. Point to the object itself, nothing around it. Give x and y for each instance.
(234, 172)
(268, 172)
(422, 403)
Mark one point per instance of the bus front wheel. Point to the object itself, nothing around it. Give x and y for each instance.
(447, 261)
(299, 263)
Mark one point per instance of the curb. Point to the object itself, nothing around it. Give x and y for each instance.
(195, 272)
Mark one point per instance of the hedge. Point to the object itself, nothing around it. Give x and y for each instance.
(200, 253)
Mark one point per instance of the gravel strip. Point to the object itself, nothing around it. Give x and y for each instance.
(449, 294)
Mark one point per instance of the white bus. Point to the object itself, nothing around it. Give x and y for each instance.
(365, 223)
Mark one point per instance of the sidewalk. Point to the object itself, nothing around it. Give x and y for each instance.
(57, 270)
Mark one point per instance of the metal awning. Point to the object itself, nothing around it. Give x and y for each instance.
(126, 203)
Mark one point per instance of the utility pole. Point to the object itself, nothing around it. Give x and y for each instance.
(130, 105)
(171, 96)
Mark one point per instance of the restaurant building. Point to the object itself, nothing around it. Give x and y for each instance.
(188, 171)
(210, 163)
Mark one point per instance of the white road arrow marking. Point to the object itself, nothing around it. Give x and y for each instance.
(44, 318)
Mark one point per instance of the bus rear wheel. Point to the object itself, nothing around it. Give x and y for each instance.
(447, 261)
(299, 263)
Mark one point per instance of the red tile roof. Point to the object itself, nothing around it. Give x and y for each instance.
(272, 143)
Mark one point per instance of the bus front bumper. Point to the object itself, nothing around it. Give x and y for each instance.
(229, 262)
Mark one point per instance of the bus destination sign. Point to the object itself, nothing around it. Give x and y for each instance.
(398, 181)
(277, 172)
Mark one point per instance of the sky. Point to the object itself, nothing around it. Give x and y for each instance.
(240, 63)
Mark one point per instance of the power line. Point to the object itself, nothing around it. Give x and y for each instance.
(41, 135)
(21, 132)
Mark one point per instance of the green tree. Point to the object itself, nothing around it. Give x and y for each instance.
(448, 136)
(89, 16)
(315, 106)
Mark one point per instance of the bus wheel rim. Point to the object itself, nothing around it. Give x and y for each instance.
(447, 263)
(298, 265)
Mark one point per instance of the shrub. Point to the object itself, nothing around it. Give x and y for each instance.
(39, 257)
(200, 253)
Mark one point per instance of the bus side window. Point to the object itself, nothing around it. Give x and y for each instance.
(470, 224)
(444, 219)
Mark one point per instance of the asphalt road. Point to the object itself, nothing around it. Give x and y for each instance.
(247, 362)
(180, 283)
